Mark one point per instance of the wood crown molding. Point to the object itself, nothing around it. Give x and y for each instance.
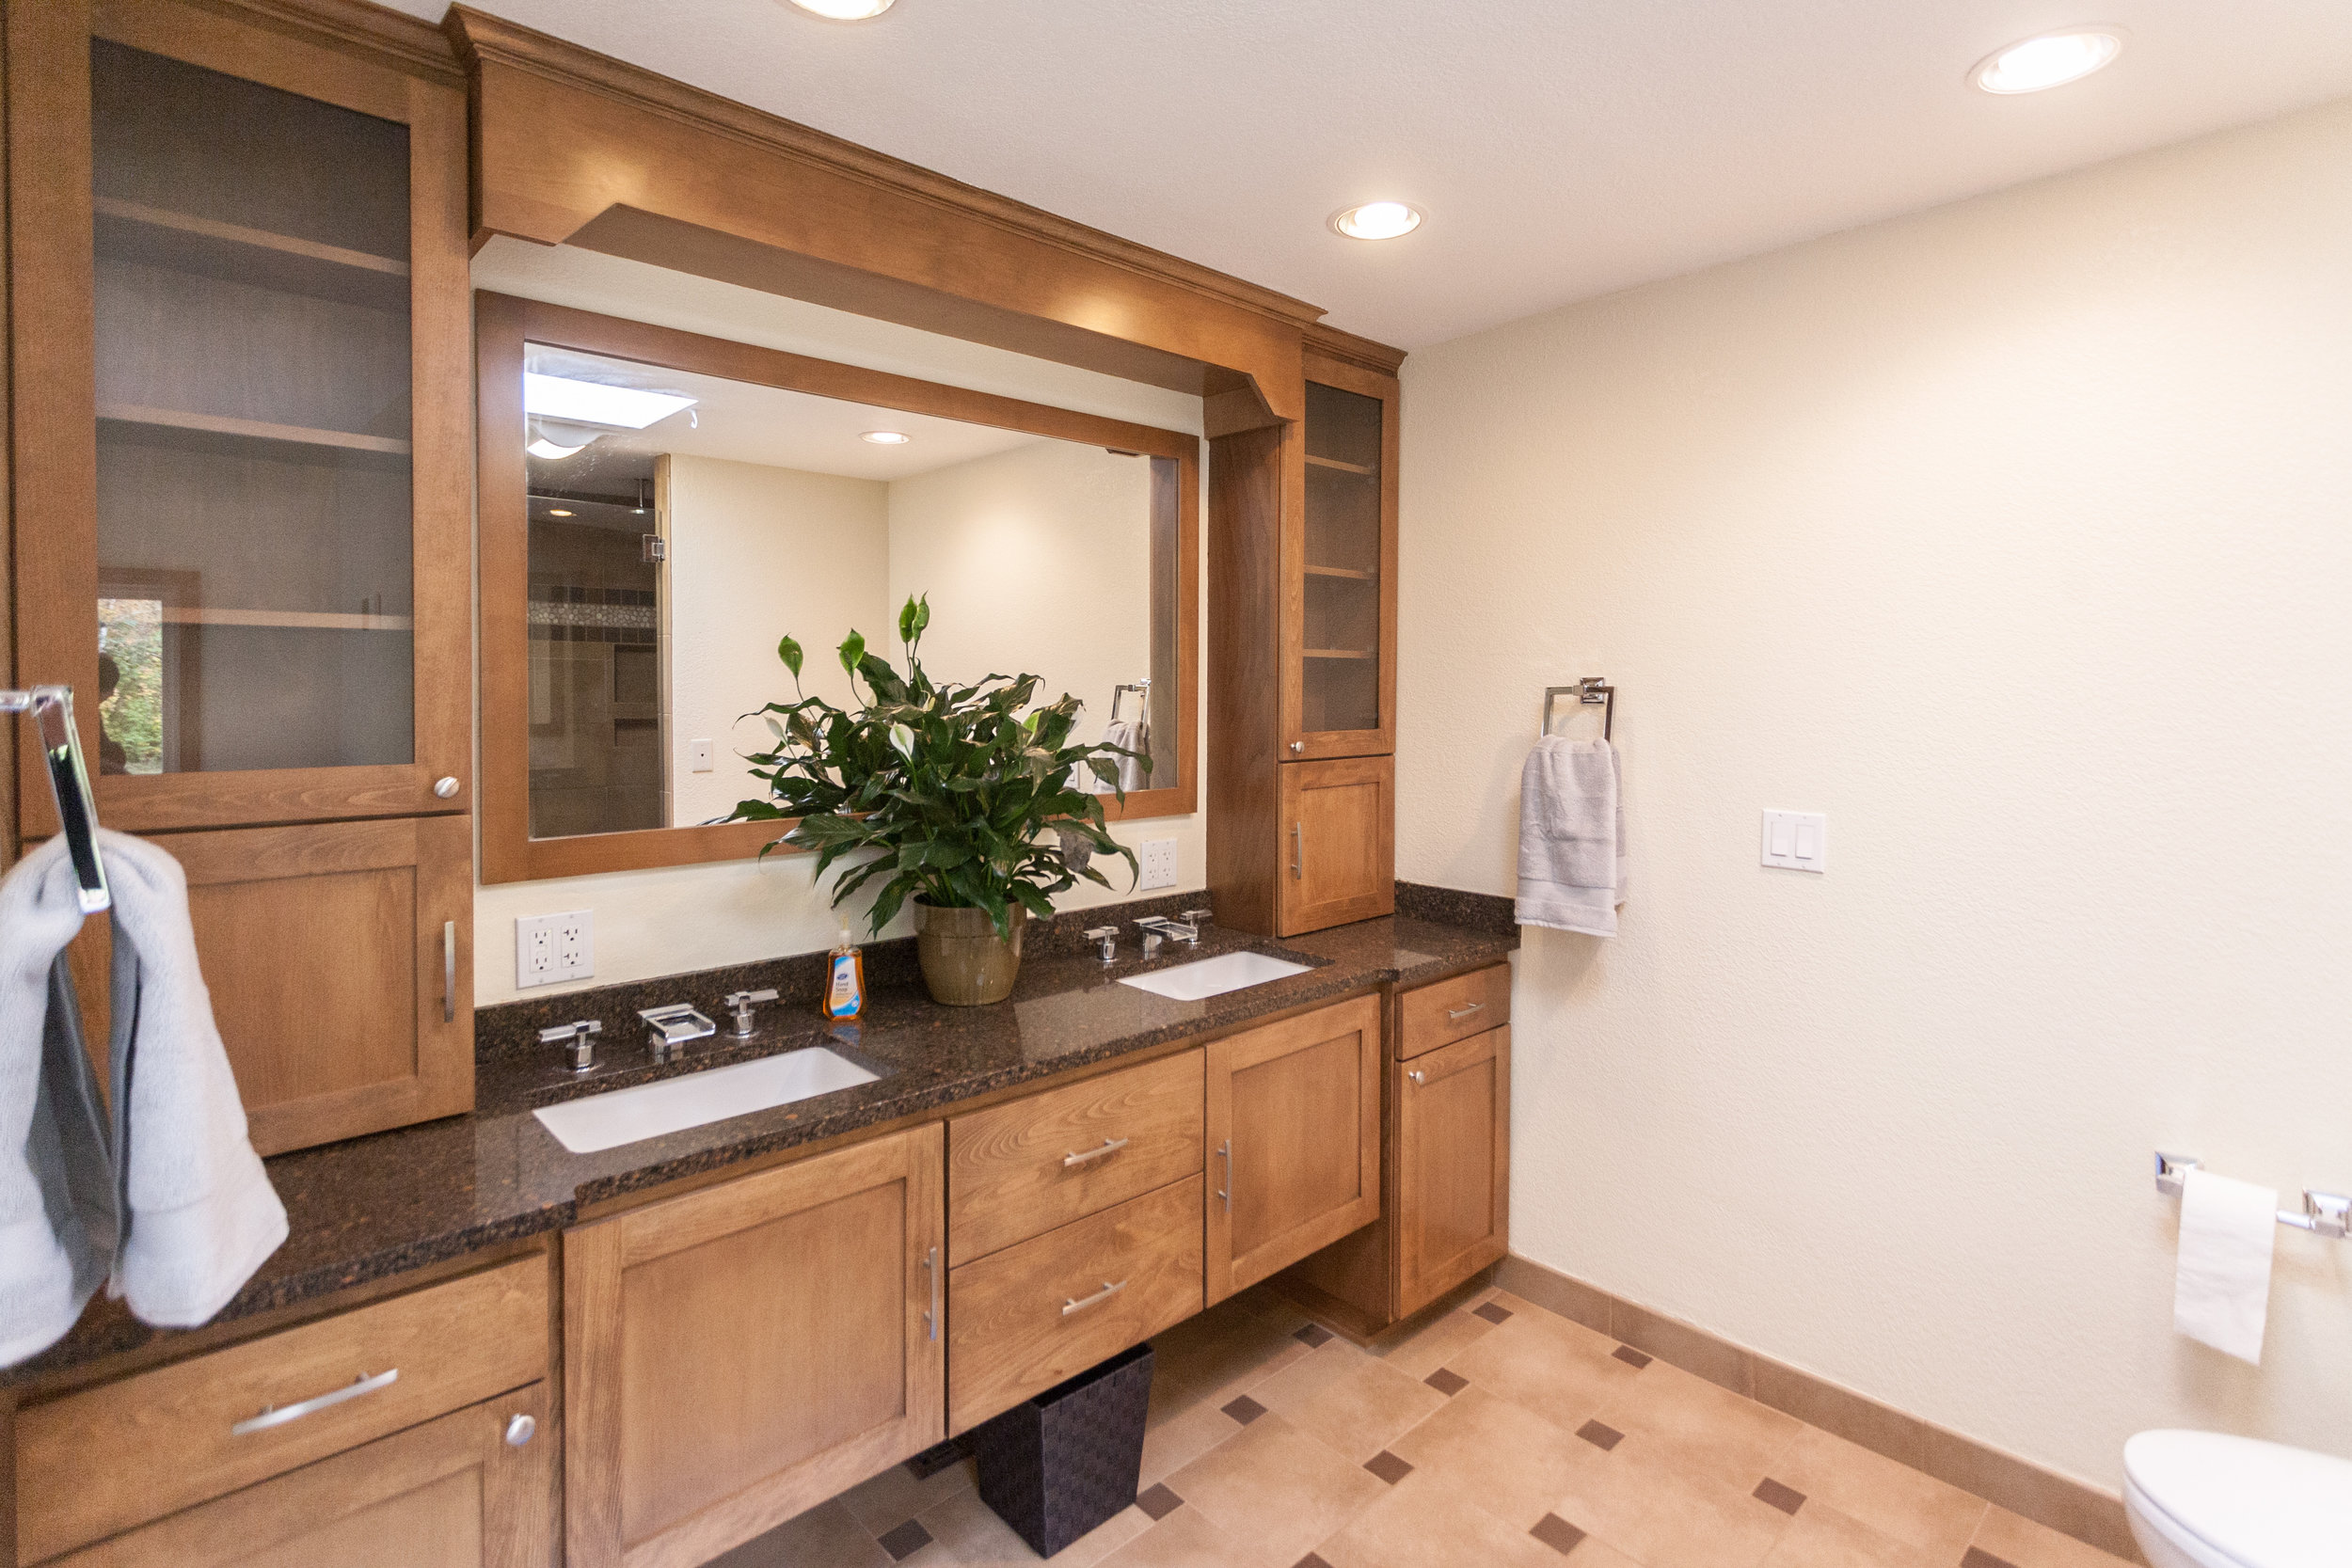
(403, 41)
(1363, 352)
(479, 37)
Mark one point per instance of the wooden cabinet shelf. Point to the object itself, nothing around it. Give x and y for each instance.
(182, 241)
(1340, 653)
(1364, 470)
(1347, 574)
(242, 437)
(175, 615)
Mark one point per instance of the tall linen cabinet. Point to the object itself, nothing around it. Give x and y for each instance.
(239, 442)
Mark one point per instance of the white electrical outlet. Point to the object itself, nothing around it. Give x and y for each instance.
(552, 947)
(1796, 841)
(698, 756)
(1158, 857)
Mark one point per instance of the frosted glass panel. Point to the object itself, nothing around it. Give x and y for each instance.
(1342, 679)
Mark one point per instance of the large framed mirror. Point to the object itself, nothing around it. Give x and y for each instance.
(660, 508)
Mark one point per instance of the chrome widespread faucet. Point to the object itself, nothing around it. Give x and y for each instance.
(579, 1040)
(741, 1003)
(669, 1029)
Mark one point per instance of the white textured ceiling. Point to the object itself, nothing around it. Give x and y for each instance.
(1561, 148)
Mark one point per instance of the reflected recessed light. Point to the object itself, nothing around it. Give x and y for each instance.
(2049, 60)
(886, 437)
(594, 402)
(845, 11)
(557, 511)
(1376, 220)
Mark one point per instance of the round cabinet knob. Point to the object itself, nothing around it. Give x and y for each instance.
(447, 789)
(521, 1430)
(1298, 745)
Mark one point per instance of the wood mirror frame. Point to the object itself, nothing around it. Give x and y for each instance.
(503, 324)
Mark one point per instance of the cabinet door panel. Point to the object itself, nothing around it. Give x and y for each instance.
(1339, 833)
(1339, 567)
(1294, 1118)
(740, 1353)
(1453, 1165)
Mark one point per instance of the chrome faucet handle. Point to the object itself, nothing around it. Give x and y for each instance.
(668, 1029)
(741, 1003)
(1106, 938)
(579, 1041)
(1197, 918)
(1174, 930)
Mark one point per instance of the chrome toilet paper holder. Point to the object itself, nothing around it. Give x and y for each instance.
(2327, 1214)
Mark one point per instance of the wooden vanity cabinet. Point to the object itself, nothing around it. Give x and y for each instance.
(238, 278)
(741, 1352)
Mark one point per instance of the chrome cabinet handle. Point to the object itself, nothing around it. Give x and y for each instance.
(1298, 851)
(1110, 1145)
(449, 972)
(1074, 1304)
(930, 1317)
(1465, 1012)
(278, 1416)
(1225, 1152)
(521, 1430)
(446, 787)
(1417, 1076)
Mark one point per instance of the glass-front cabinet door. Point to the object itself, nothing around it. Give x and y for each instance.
(244, 538)
(1339, 663)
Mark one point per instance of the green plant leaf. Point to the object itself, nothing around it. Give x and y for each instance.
(852, 650)
(789, 652)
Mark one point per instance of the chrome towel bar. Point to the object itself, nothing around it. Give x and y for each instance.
(1593, 691)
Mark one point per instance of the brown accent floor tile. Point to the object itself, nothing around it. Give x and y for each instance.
(896, 1494)
(1979, 1558)
(1701, 1428)
(2024, 1543)
(1353, 1404)
(1433, 1343)
(1823, 1537)
(1562, 1371)
(1158, 1502)
(1314, 1335)
(1427, 1523)
(1311, 1560)
(1787, 1498)
(1504, 1457)
(828, 1533)
(1185, 1540)
(905, 1540)
(1602, 1437)
(1632, 1357)
(1388, 1466)
(1891, 1498)
(1693, 1351)
(1447, 1382)
(1178, 1441)
(1494, 1313)
(1663, 1516)
(1274, 1487)
(1245, 1410)
(1557, 1533)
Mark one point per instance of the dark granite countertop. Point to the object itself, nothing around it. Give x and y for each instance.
(373, 1206)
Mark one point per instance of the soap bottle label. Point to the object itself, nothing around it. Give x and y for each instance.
(844, 993)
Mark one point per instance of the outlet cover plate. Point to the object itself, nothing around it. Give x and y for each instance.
(553, 947)
(1158, 863)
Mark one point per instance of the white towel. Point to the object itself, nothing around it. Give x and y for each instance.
(1571, 836)
(199, 1214)
(57, 1191)
(1136, 735)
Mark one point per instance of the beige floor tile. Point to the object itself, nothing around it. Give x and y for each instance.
(1665, 1517)
(1275, 1489)
(1358, 1412)
(1822, 1537)
(828, 1533)
(1503, 1457)
(1892, 1499)
(1703, 1429)
(1185, 1539)
(1593, 1552)
(1425, 1521)
(1564, 1371)
(1310, 1374)
(1433, 1343)
(2021, 1541)
(1178, 1441)
(967, 1532)
(894, 1497)
(1243, 1345)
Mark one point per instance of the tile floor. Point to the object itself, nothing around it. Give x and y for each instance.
(1495, 1434)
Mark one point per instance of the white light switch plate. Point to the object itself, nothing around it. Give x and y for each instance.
(1158, 857)
(552, 947)
(698, 756)
(1796, 840)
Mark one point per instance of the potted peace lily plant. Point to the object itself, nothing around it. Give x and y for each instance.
(964, 798)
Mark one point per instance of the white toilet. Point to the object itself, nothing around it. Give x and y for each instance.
(2204, 1499)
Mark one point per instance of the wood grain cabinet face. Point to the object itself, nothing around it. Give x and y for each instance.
(1340, 835)
(1453, 1165)
(740, 1353)
(1293, 1126)
(452, 1493)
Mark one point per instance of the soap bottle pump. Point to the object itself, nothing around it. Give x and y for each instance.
(845, 981)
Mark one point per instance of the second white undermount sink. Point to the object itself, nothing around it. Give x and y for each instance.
(601, 1121)
(1207, 977)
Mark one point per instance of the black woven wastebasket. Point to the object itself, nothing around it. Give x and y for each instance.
(1066, 1461)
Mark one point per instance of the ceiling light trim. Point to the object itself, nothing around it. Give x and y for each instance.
(2112, 37)
(1339, 220)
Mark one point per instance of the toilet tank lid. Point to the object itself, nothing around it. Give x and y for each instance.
(2262, 1504)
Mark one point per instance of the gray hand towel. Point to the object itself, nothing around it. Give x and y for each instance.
(1571, 836)
(199, 1214)
(56, 1189)
(1136, 735)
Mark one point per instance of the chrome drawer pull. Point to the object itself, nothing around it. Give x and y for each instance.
(1465, 1012)
(1225, 1152)
(1110, 1145)
(449, 972)
(275, 1416)
(1108, 1291)
(930, 1319)
(1417, 1076)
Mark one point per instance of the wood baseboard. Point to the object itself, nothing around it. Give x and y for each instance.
(2089, 1514)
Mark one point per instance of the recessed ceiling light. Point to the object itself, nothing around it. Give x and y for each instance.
(887, 438)
(845, 11)
(2049, 60)
(1376, 220)
(594, 402)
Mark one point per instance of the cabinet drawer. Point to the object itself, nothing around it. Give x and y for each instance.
(1019, 1169)
(1455, 1009)
(122, 1453)
(1038, 1313)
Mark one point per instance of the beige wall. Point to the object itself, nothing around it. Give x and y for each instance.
(2017, 537)
(675, 919)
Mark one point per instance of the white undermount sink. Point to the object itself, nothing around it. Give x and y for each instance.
(1207, 977)
(601, 1121)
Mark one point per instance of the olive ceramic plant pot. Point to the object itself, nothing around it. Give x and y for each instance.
(966, 963)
